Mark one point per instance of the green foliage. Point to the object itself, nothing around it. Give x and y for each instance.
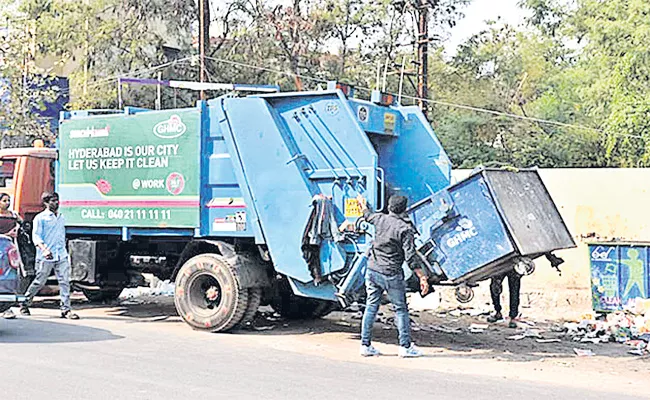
(583, 64)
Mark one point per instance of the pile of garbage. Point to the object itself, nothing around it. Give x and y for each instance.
(630, 326)
(138, 295)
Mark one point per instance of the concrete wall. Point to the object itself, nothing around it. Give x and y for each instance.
(605, 203)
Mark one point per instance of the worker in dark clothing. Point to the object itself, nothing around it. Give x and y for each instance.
(496, 287)
(394, 243)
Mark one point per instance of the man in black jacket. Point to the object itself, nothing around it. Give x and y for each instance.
(394, 243)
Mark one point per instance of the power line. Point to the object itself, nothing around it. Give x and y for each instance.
(276, 71)
(135, 73)
(438, 102)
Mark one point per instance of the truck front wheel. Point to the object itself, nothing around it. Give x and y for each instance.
(209, 295)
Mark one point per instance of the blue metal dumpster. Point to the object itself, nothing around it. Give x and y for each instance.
(487, 224)
(620, 273)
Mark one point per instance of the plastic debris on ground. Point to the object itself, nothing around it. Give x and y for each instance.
(630, 326)
(584, 352)
(472, 312)
(160, 288)
(548, 340)
(478, 328)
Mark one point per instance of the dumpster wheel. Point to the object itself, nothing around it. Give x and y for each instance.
(524, 266)
(464, 294)
(208, 294)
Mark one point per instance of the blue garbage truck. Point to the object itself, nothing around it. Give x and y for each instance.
(244, 201)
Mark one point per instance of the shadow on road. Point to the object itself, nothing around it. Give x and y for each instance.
(29, 330)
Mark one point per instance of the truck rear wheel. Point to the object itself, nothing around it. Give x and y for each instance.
(208, 294)
(254, 301)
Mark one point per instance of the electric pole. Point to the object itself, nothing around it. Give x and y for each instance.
(204, 39)
(423, 44)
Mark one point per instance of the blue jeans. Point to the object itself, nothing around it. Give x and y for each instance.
(376, 284)
(43, 270)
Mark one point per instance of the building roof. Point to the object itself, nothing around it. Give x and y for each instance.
(40, 152)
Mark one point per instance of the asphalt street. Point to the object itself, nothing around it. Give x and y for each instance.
(105, 357)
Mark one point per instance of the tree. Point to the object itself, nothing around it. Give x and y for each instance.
(25, 90)
(513, 75)
(101, 39)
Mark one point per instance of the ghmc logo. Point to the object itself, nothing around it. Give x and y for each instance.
(464, 231)
(170, 129)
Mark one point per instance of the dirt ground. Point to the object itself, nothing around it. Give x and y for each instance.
(444, 336)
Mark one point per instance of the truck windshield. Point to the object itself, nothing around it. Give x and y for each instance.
(7, 173)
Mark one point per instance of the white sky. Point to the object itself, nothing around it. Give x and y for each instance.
(504, 11)
(479, 11)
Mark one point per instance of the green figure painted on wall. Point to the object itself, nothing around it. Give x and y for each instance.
(635, 268)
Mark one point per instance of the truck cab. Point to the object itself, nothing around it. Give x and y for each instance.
(25, 173)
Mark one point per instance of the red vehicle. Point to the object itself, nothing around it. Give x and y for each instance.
(9, 274)
(25, 173)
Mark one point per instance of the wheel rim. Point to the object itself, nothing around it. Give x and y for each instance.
(525, 266)
(204, 292)
(464, 294)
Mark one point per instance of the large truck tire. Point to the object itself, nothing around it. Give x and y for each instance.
(102, 295)
(209, 295)
(254, 301)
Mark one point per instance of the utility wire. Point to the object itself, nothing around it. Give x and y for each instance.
(438, 102)
(110, 79)
(276, 71)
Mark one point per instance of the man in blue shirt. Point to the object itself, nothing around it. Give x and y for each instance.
(49, 238)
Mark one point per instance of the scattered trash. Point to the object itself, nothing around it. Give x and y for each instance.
(475, 312)
(516, 337)
(628, 326)
(548, 340)
(534, 333)
(525, 322)
(637, 352)
(263, 328)
(445, 329)
(158, 288)
(584, 352)
(590, 340)
(478, 328)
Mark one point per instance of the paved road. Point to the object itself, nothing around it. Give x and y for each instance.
(108, 357)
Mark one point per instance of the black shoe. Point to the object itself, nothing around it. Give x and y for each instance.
(24, 310)
(495, 318)
(69, 315)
